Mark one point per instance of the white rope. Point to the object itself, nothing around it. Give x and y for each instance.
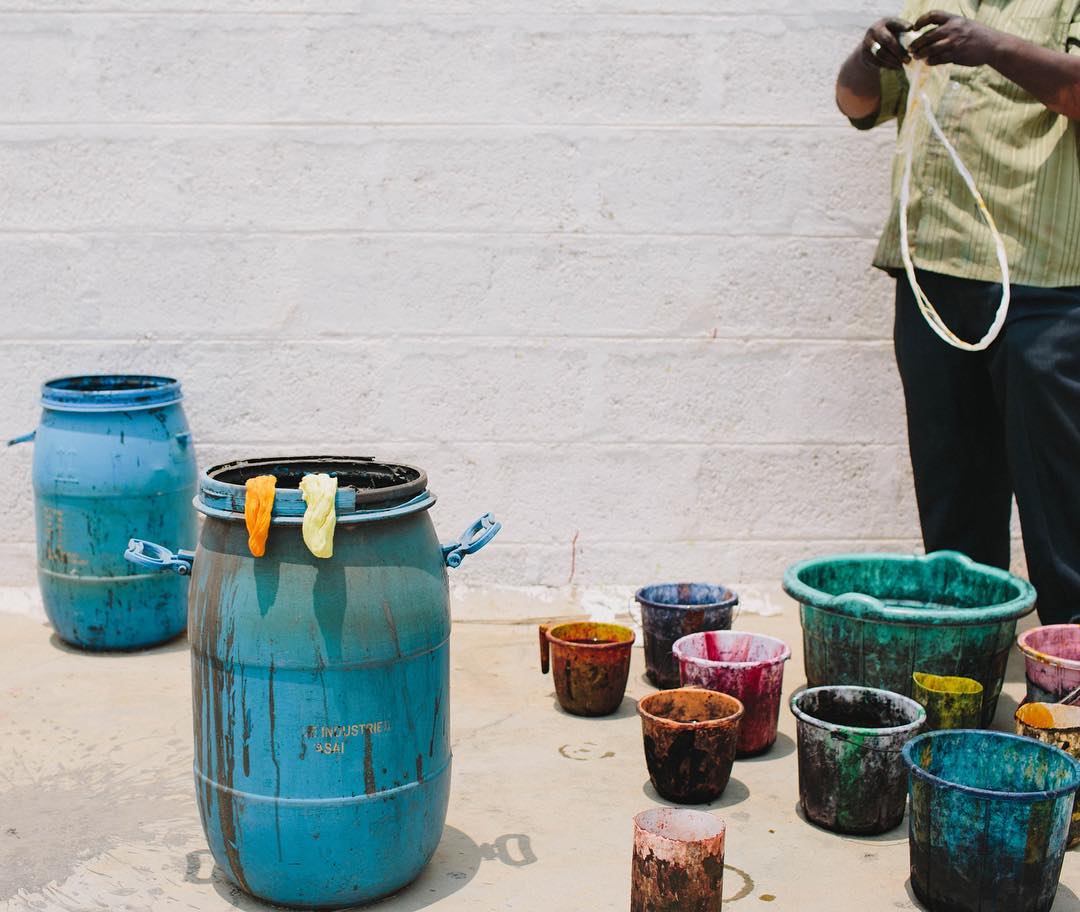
(918, 74)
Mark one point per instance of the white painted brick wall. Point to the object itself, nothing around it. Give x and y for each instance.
(601, 267)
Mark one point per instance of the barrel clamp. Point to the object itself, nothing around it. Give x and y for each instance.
(157, 557)
(472, 540)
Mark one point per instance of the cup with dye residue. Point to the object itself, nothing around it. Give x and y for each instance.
(690, 738)
(1051, 661)
(750, 667)
(950, 702)
(670, 611)
(851, 775)
(590, 663)
(678, 861)
(1058, 725)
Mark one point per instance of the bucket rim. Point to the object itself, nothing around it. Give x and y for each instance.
(1045, 658)
(716, 826)
(784, 656)
(109, 392)
(226, 499)
(802, 716)
(1022, 797)
(864, 606)
(552, 638)
(920, 679)
(736, 716)
(730, 599)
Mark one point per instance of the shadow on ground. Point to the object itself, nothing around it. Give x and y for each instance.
(455, 863)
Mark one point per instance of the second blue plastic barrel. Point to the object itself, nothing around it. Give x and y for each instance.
(112, 458)
(989, 820)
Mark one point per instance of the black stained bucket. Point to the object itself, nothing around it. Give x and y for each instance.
(851, 772)
(670, 611)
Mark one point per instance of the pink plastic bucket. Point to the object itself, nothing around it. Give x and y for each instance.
(1052, 660)
(747, 666)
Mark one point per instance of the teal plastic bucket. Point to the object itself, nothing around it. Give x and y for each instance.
(873, 620)
(989, 820)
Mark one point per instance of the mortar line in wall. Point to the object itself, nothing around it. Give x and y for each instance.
(422, 233)
(526, 342)
(838, 18)
(560, 445)
(661, 126)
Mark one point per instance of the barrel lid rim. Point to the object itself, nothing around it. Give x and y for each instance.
(803, 716)
(737, 713)
(226, 500)
(158, 391)
(1033, 795)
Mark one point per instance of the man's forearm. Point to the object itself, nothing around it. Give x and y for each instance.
(858, 87)
(1053, 77)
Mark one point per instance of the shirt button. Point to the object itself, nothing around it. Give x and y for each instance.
(930, 191)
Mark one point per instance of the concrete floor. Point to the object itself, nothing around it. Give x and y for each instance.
(97, 810)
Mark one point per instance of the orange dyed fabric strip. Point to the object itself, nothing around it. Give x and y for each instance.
(258, 505)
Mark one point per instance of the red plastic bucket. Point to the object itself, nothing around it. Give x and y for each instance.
(1052, 660)
(749, 667)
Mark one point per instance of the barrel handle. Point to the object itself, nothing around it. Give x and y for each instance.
(472, 540)
(25, 438)
(545, 649)
(157, 557)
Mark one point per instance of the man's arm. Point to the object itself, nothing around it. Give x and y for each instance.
(1053, 77)
(858, 87)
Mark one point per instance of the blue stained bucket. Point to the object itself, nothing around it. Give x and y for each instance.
(989, 820)
(670, 611)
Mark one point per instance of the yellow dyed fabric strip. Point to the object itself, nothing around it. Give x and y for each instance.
(319, 492)
(258, 507)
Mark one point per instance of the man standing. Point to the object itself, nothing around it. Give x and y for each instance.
(983, 425)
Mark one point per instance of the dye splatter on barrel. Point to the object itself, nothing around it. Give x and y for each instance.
(321, 686)
(678, 863)
(113, 458)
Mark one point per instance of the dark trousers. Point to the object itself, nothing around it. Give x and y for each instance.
(983, 425)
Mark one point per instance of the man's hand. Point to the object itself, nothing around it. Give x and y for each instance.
(955, 40)
(881, 45)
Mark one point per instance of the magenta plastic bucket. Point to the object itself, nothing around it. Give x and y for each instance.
(1052, 660)
(747, 666)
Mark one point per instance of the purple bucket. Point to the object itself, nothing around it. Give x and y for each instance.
(747, 666)
(1052, 660)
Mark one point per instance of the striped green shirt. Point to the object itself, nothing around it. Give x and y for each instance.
(1025, 159)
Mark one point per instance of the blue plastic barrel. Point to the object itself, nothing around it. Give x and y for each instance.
(112, 458)
(321, 686)
(989, 820)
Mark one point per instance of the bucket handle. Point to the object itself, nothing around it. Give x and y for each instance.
(23, 438)
(471, 540)
(158, 557)
(545, 649)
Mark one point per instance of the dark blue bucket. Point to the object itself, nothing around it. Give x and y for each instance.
(989, 820)
(670, 611)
